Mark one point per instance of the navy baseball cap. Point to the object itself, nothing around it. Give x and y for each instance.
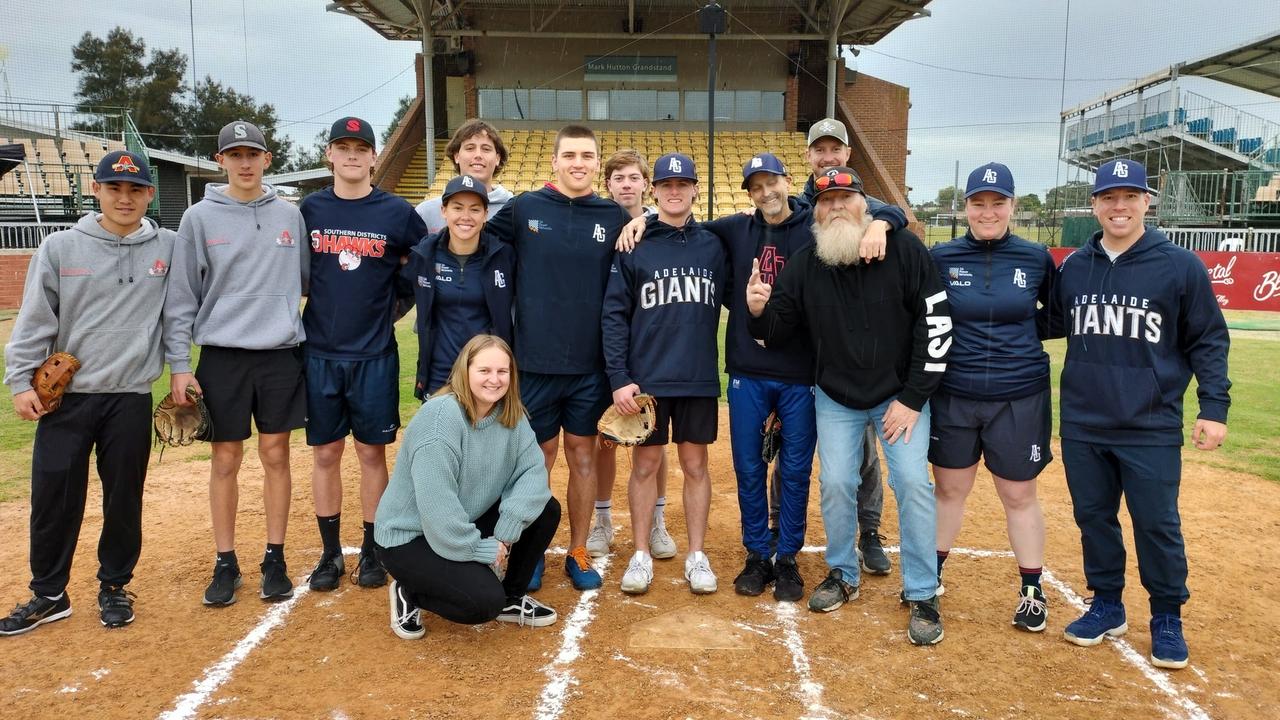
(352, 127)
(674, 165)
(992, 177)
(1121, 174)
(764, 162)
(465, 184)
(123, 166)
(838, 178)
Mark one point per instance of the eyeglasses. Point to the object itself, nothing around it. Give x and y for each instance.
(840, 180)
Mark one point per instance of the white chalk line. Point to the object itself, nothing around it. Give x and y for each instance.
(217, 674)
(559, 671)
(810, 689)
(1157, 677)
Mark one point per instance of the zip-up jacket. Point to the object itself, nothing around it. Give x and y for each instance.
(498, 276)
(97, 296)
(994, 289)
(240, 270)
(1136, 330)
(662, 312)
(878, 208)
(747, 238)
(879, 331)
(564, 247)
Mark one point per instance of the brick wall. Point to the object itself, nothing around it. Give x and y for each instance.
(880, 108)
(13, 273)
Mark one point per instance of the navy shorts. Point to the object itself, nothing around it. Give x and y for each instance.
(1013, 435)
(572, 402)
(240, 386)
(360, 397)
(684, 420)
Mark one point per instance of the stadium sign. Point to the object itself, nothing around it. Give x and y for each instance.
(630, 68)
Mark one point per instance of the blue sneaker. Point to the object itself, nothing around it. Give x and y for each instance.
(578, 567)
(1168, 648)
(1105, 617)
(535, 582)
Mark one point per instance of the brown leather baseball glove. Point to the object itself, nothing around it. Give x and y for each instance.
(178, 425)
(629, 430)
(52, 378)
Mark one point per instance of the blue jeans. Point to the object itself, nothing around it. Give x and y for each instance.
(750, 401)
(841, 438)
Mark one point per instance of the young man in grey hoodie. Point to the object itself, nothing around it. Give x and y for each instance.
(94, 291)
(240, 268)
(475, 149)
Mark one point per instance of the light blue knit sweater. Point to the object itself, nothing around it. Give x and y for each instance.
(448, 473)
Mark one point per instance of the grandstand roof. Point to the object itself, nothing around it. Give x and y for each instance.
(862, 23)
(1254, 65)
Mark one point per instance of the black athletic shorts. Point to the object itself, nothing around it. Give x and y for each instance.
(572, 402)
(688, 419)
(266, 386)
(360, 397)
(1012, 435)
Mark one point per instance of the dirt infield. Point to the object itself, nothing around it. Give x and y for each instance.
(665, 654)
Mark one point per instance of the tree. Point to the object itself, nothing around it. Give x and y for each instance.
(1072, 194)
(305, 159)
(216, 105)
(945, 196)
(398, 115)
(113, 74)
(1029, 203)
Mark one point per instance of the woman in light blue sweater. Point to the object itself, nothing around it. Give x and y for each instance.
(468, 512)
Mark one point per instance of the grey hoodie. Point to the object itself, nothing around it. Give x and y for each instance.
(97, 296)
(239, 273)
(430, 209)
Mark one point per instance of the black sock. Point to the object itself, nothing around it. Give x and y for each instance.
(1030, 576)
(228, 558)
(367, 545)
(942, 559)
(330, 533)
(275, 553)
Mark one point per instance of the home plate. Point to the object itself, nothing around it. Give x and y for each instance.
(687, 628)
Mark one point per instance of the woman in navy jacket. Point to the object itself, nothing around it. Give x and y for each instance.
(463, 283)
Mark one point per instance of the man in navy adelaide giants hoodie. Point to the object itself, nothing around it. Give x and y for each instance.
(1140, 318)
(661, 317)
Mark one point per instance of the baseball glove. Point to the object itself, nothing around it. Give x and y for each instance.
(772, 442)
(178, 425)
(629, 430)
(52, 378)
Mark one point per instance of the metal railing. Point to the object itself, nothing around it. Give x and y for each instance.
(1225, 239)
(1208, 198)
(27, 235)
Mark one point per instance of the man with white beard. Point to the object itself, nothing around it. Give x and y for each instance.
(881, 333)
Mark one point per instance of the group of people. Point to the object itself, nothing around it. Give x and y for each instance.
(536, 312)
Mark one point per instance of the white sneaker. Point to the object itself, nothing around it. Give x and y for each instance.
(600, 540)
(697, 570)
(639, 574)
(661, 545)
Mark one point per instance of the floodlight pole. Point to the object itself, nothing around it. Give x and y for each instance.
(428, 88)
(711, 20)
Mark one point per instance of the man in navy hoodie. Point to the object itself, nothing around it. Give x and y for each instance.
(564, 236)
(1140, 318)
(661, 317)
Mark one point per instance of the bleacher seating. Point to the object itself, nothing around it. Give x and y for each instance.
(529, 161)
(57, 172)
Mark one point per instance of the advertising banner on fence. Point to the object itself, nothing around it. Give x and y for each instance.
(1241, 280)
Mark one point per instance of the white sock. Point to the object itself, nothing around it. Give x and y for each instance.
(57, 597)
(657, 510)
(604, 512)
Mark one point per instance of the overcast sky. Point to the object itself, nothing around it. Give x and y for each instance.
(986, 76)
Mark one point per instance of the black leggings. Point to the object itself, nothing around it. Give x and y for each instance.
(469, 592)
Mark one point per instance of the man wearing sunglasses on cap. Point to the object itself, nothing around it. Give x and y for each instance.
(881, 334)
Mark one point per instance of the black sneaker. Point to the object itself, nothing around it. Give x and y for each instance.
(925, 626)
(226, 580)
(328, 572)
(755, 576)
(406, 620)
(874, 560)
(370, 573)
(276, 584)
(38, 611)
(525, 610)
(1032, 613)
(832, 592)
(115, 606)
(788, 586)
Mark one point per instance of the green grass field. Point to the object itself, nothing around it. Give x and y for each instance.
(1251, 447)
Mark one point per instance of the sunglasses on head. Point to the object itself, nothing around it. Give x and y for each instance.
(840, 180)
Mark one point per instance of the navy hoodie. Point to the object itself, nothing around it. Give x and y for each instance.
(356, 246)
(497, 276)
(662, 312)
(747, 238)
(564, 248)
(1136, 331)
(994, 289)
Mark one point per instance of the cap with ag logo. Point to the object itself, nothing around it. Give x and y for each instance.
(765, 163)
(239, 133)
(123, 166)
(1121, 174)
(992, 177)
(465, 184)
(672, 166)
